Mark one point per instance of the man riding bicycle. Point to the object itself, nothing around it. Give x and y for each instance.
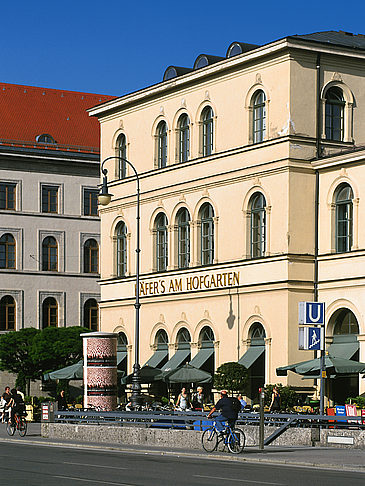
(228, 414)
(17, 405)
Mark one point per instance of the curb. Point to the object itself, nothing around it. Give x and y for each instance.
(208, 456)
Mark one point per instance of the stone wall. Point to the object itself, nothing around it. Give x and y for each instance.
(191, 439)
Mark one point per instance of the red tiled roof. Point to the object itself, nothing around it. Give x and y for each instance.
(27, 111)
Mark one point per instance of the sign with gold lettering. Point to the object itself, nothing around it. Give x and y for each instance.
(189, 283)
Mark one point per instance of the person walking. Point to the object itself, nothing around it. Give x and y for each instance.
(275, 404)
(198, 399)
(61, 401)
(6, 397)
(183, 402)
(228, 414)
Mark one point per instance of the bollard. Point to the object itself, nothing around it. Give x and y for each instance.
(262, 419)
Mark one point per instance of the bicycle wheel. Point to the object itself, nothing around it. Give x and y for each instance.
(236, 441)
(10, 429)
(209, 440)
(22, 427)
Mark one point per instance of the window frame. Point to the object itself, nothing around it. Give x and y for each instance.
(207, 131)
(183, 238)
(206, 234)
(345, 205)
(50, 199)
(91, 253)
(90, 202)
(257, 226)
(5, 312)
(183, 129)
(89, 317)
(121, 153)
(5, 187)
(331, 117)
(161, 145)
(161, 223)
(259, 116)
(121, 249)
(7, 247)
(50, 312)
(50, 255)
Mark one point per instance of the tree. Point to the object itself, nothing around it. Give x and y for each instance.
(57, 347)
(16, 356)
(231, 376)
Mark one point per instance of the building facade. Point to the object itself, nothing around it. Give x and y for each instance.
(229, 155)
(49, 224)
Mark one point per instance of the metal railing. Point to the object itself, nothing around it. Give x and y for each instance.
(199, 421)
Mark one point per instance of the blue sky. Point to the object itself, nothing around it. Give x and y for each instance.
(115, 47)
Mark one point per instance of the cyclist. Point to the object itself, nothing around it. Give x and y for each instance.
(228, 414)
(17, 405)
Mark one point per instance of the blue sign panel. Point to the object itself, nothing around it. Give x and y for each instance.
(311, 313)
(314, 338)
(341, 410)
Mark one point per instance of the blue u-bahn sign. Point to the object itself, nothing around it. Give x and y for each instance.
(311, 313)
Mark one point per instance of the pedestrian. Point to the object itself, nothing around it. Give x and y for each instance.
(243, 402)
(275, 404)
(6, 397)
(198, 399)
(228, 414)
(183, 402)
(61, 401)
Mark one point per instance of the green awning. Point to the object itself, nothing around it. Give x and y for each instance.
(343, 350)
(121, 355)
(251, 355)
(156, 359)
(203, 355)
(177, 359)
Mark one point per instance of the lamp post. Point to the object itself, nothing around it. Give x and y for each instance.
(104, 199)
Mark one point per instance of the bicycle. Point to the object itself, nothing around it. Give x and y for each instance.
(233, 438)
(20, 425)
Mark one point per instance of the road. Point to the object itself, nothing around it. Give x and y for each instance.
(29, 464)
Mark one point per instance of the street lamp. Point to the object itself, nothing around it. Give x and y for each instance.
(104, 199)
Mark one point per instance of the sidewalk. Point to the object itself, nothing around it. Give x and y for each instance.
(318, 457)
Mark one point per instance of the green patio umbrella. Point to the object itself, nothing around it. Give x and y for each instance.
(149, 374)
(186, 374)
(72, 372)
(332, 366)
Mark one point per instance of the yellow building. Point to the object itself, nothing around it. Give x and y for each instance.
(228, 154)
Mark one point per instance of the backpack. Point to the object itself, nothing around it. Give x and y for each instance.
(236, 405)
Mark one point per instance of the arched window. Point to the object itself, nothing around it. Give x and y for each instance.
(7, 313)
(91, 256)
(183, 339)
(206, 337)
(258, 117)
(183, 238)
(161, 136)
(91, 314)
(258, 225)
(49, 254)
(121, 153)
(345, 323)
(334, 117)
(161, 242)
(7, 251)
(49, 313)
(122, 353)
(183, 138)
(207, 131)
(257, 334)
(161, 339)
(206, 234)
(121, 249)
(343, 200)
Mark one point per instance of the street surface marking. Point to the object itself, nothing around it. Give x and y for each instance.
(93, 465)
(92, 481)
(238, 480)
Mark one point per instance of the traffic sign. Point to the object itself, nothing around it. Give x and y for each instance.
(311, 313)
(311, 338)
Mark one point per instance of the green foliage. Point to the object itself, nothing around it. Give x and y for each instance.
(230, 376)
(29, 353)
(57, 347)
(16, 356)
(288, 396)
(359, 401)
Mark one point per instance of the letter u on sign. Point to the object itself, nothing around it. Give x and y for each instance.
(311, 313)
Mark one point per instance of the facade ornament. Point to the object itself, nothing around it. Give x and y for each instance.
(337, 77)
(205, 193)
(256, 310)
(207, 97)
(182, 198)
(257, 182)
(162, 318)
(121, 322)
(121, 124)
(183, 102)
(162, 111)
(120, 211)
(183, 316)
(206, 314)
(258, 78)
(343, 171)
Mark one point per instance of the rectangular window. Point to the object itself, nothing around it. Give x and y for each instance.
(91, 202)
(7, 195)
(49, 199)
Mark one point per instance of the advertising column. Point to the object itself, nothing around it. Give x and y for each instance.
(100, 370)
